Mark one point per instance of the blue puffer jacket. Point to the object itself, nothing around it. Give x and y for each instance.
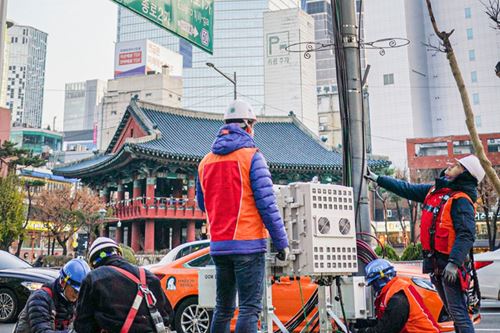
(48, 314)
(462, 212)
(230, 139)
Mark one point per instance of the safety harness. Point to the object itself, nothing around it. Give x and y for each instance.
(143, 292)
(467, 272)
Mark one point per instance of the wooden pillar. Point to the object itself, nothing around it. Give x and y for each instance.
(104, 195)
(137, 191)
(149, 236)
(150, 192)
(191, 234)
(136, 235)
(120, 195)
(191, 193)
(119, 234)
(176, 234)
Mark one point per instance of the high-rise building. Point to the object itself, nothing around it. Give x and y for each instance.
(289, 77)
(26, 75)
(161, 88)
(412, 90)
(399, 94)
(238, 47)
(477, 48)
(80, 104)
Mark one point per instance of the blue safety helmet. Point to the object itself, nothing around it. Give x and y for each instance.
(378, 273)
(74, 272)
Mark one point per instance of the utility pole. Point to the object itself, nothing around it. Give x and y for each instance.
(351, 95)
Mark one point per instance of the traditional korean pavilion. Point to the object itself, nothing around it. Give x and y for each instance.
(147, 174)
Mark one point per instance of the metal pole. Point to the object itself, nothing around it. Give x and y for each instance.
(234, 82)
(350, 45)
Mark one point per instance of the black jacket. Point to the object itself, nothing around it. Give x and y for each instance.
(462, 213)
(48, 314)
(394, 318)
(106, 297)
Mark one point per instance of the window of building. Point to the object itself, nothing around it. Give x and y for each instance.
(468, 13)
(470, 34)
(472, 55)
(478, 121)
(475, 98)
(473, 76)
(388, 79)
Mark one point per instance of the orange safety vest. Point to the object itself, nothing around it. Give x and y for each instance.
(419, 317)
(436, 210)
(229, 202)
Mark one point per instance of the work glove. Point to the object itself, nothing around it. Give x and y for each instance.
(370, 175)
(283, 254)
(450, 273)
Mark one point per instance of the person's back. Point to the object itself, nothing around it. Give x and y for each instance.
(51, 308)
(107, 296)
(235, 189)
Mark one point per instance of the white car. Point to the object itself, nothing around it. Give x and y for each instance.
(488, 273)
(180, 251)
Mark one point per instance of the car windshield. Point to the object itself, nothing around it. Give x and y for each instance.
(7, 261)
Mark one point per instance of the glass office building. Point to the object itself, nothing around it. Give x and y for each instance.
(238, 47)
(26, 75)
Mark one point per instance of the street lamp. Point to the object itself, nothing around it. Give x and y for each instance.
(233, 80)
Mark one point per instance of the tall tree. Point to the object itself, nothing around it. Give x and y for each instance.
(11, 211)
(64, 211)
(21, 156)
(29, 187)
(447, 48)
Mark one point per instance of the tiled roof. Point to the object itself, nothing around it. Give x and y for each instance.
(284, 141)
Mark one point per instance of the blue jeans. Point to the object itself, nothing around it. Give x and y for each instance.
(455, 302)
(243, 273)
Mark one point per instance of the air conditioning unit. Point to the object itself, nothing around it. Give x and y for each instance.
(322, 128)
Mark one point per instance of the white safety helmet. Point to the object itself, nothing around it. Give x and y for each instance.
(471, 163)
(238, 109)
(102, 243)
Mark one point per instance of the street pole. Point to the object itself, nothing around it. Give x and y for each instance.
(355, 156)
(234, 82)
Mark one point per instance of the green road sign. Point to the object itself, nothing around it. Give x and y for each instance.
(192, 20)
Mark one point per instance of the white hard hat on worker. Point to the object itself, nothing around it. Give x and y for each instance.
(471, 163)
(241, 112)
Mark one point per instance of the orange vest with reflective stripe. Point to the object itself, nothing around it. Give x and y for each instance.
(228, 195)
(420, 319)
(444, 236)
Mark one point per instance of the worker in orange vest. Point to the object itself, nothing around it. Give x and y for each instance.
(399, 307)
(448, 230)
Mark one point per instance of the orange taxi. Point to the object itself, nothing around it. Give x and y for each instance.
(179, 280)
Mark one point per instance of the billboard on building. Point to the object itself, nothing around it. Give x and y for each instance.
(142, 57)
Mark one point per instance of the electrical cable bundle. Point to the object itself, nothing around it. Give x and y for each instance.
(301, 315)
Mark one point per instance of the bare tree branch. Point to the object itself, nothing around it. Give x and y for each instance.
(469, 114)
(492, 9)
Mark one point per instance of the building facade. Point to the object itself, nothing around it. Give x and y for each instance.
(289, 77)
(412, 90)
(81, 100)
(36, 140)
(477, 48)
(26, 75)
(239, 47)
(161, 88)
(147, 174)
(78, 145)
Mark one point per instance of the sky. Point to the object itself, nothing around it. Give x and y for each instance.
(80, 45)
